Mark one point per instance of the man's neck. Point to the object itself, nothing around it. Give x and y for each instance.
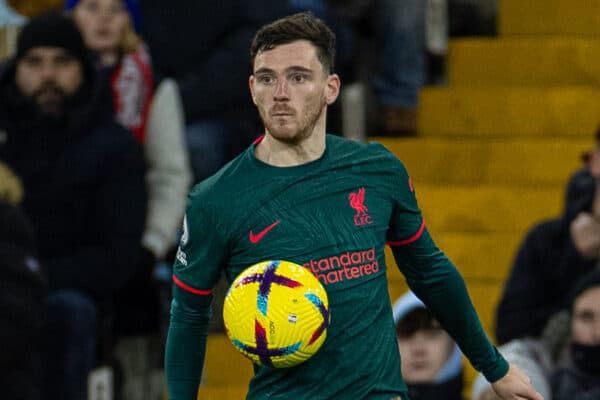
(284, 154)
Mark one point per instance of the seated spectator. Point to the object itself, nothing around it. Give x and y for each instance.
(83, 178)
(578, 373)
(396, 30)
(553, 255)
(531, 356)
(22, 294)
(432, 365)
(111, 29)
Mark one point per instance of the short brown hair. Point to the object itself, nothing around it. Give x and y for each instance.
(300, 26)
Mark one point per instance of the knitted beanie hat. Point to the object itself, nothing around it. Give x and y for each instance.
(131, 6)
(52, 30)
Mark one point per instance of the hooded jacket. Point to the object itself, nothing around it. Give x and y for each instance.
(84, 189)
(545, 267)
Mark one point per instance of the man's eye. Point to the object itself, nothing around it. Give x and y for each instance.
(298, 78)
(265, 79)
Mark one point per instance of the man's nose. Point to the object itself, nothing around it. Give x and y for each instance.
(48, 71)
(281, 90)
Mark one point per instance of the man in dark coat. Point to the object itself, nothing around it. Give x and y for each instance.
(549, 261)
(83, 178)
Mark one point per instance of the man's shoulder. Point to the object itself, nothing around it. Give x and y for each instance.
(368, 154)
(225, 183)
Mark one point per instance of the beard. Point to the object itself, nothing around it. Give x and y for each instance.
(50, 100)
(283, 128)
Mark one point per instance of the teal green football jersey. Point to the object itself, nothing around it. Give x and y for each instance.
(334, 216)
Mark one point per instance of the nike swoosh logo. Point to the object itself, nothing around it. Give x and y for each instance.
(256, 238)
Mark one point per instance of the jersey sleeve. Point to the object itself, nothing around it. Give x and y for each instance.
(195, 272)
(406, 224)
(435, 280)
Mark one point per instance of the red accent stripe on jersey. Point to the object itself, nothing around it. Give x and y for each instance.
(190, 289)
(411, 239)
(258, 139)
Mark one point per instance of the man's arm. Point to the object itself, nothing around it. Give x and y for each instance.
(435, 280)
(186, 342)
(515, 385)
(195, 272)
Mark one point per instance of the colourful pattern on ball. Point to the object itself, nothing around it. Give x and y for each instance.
(276, 313)
(324, 312)
(266, 279)
(261, 350)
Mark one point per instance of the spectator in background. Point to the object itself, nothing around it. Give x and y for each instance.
(532, 357)
(397, 34)
(22, 294)
(203, 45)
(553, 255)
(111, 29)
(578, 373)
(83, 178)
(432, 365)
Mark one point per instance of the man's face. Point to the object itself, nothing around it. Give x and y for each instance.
(291, 90)
(48, 75)
(585, 325)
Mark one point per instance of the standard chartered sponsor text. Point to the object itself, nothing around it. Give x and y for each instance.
(343, 267)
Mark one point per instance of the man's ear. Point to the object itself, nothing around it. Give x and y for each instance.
(332, 89)
(251, 86)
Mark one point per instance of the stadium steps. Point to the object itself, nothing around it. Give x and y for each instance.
(498, 143)
(486, 209)
(533, 61)
(549, 17)
(505, 112)
(522, 162)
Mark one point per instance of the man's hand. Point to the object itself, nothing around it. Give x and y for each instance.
(585, 234)
(515, 385)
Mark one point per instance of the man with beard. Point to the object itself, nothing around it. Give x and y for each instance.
(301, 195)
(83, 178)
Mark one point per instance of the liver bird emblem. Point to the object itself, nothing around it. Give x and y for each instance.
(357, 201)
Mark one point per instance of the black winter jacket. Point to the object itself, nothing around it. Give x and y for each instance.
(84, 187)
(545, 268)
